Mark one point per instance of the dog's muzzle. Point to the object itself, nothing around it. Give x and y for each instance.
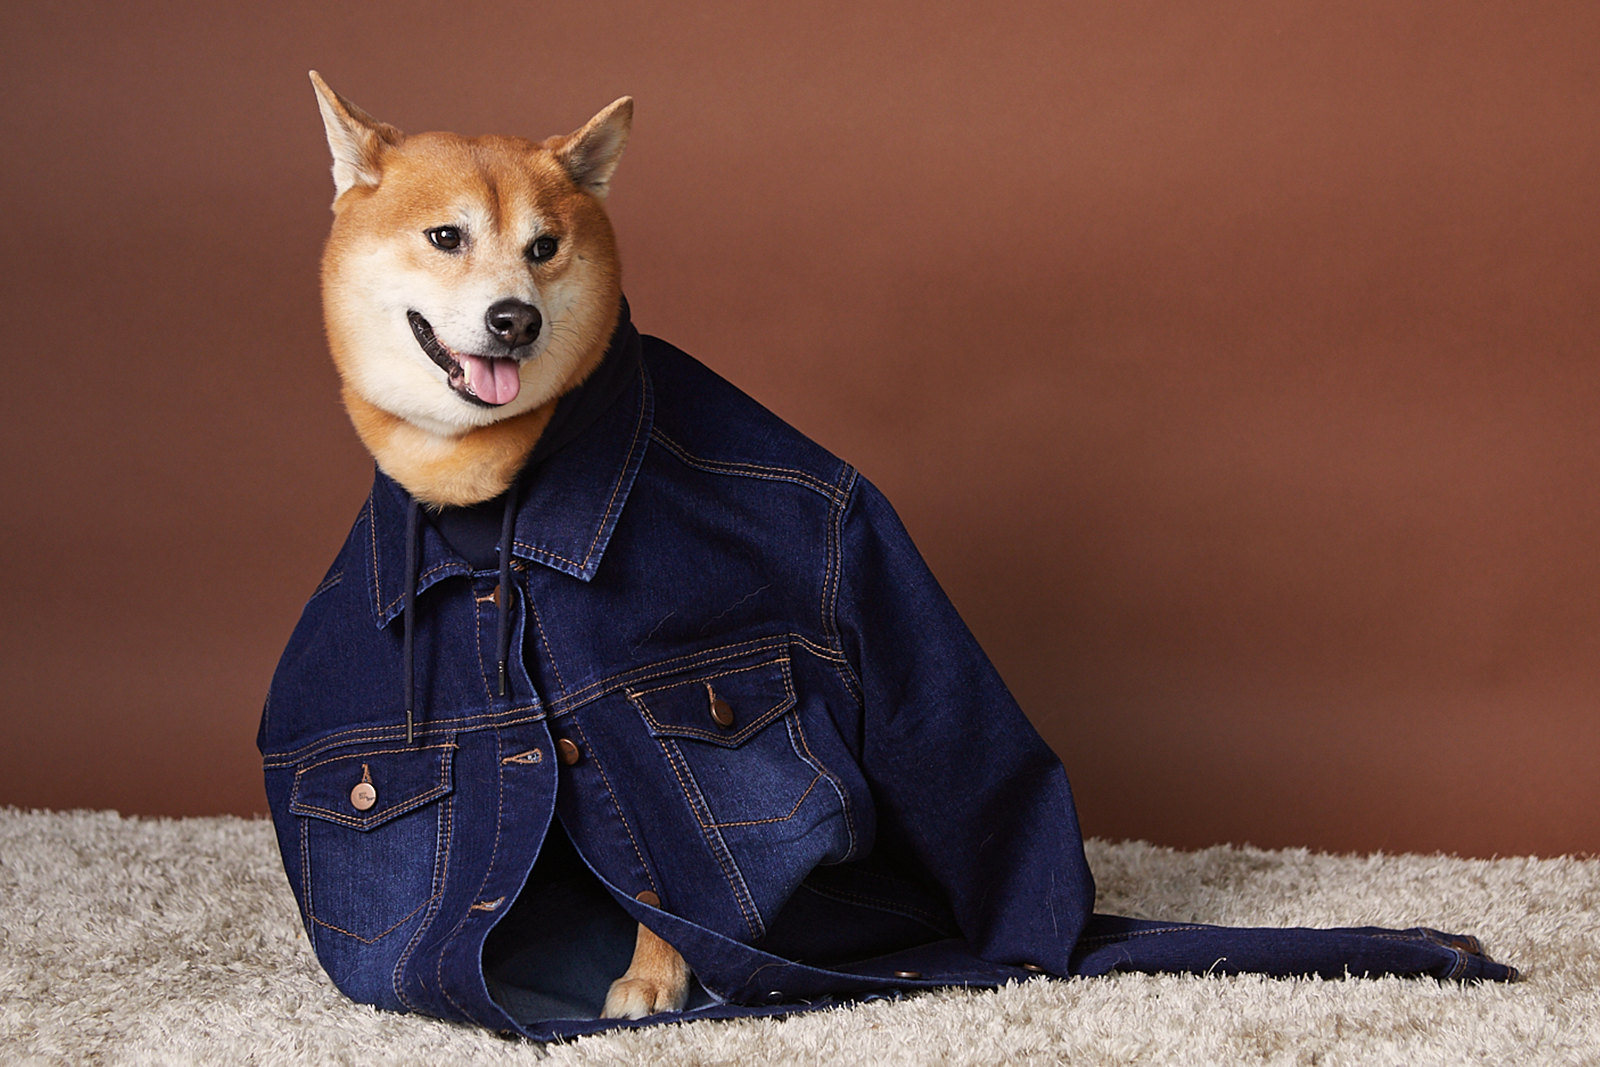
(489, 381)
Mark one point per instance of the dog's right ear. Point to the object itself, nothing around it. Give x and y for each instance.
(355, 138)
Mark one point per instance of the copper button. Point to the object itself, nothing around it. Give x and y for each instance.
(721, 710)
(567, 749)
(908, 974)
(363, 796)
(1034, 967)
(647, 897)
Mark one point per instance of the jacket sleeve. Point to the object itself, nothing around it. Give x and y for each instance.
(952, 762)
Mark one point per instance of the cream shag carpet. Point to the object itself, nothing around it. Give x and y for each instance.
(139, 941)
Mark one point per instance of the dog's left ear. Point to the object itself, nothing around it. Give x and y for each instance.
(591, 153)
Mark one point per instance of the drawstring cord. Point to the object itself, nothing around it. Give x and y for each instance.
(504, 599)
(502, 602)
(410, 667)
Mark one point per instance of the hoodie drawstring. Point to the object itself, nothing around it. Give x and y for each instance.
(410, 667)
(504, 599)
(502, 602)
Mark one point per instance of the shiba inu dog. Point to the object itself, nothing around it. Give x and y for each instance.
(469, 283)
(759, 728)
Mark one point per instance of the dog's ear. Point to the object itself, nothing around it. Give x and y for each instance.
(355, 138)
(591, 153)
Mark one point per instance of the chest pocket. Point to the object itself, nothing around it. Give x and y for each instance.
(768, 807)
(371, 823)
(732, 730)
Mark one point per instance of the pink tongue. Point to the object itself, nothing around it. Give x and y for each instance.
(494, 381)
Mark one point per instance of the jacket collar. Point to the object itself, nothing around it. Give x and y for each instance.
(567, 509)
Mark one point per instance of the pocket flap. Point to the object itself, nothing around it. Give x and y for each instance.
(723, 705)
(367, 788)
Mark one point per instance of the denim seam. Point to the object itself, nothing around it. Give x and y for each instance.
(549, 653)
(834, 574)
(360, 734)
(305, 880)
(832, 655)
(815, 778)
(374, 752)
(545, 553)
(721, 740)
(664, 668)
(644, 405)
(743, 470)
(372, 532)
(488, 871)
(477, 626)
(387, 610)
(640, 693)
(375, 938)
(327, 583)
(1111, 939)
(616, 806)
(838, 787)
(832, 565)
(442, 842)
(846, 670)
(422, 800)
(713, 836)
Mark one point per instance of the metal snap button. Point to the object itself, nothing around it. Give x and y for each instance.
(649, 898)
(908, 974)
(567, 750)
(1034, 967)
(721, 710)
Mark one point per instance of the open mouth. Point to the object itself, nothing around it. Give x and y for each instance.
(489, 381)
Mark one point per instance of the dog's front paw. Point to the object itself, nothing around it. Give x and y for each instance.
(657, 980)
(635, 997)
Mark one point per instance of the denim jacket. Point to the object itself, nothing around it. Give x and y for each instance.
(738, 692)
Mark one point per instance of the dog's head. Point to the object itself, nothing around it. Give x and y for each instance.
(467, 281)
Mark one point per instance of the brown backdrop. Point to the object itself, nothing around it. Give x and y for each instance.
(1234, 366)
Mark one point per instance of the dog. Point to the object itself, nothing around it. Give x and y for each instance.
(818, 784)
(468, 284)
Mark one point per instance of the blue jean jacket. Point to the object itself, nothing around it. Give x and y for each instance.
(748, 706)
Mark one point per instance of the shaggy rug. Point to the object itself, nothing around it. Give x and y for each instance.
(145, 941)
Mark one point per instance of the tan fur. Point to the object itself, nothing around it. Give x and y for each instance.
(477, 465)
(378, 264)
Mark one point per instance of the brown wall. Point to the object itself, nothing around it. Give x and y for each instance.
(1234, 366)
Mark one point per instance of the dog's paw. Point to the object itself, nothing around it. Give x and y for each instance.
(633, 997)
(657, 980)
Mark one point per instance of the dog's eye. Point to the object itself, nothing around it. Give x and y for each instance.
(444, 238)
(542, 249)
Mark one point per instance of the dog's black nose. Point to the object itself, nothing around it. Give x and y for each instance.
(513, 321)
